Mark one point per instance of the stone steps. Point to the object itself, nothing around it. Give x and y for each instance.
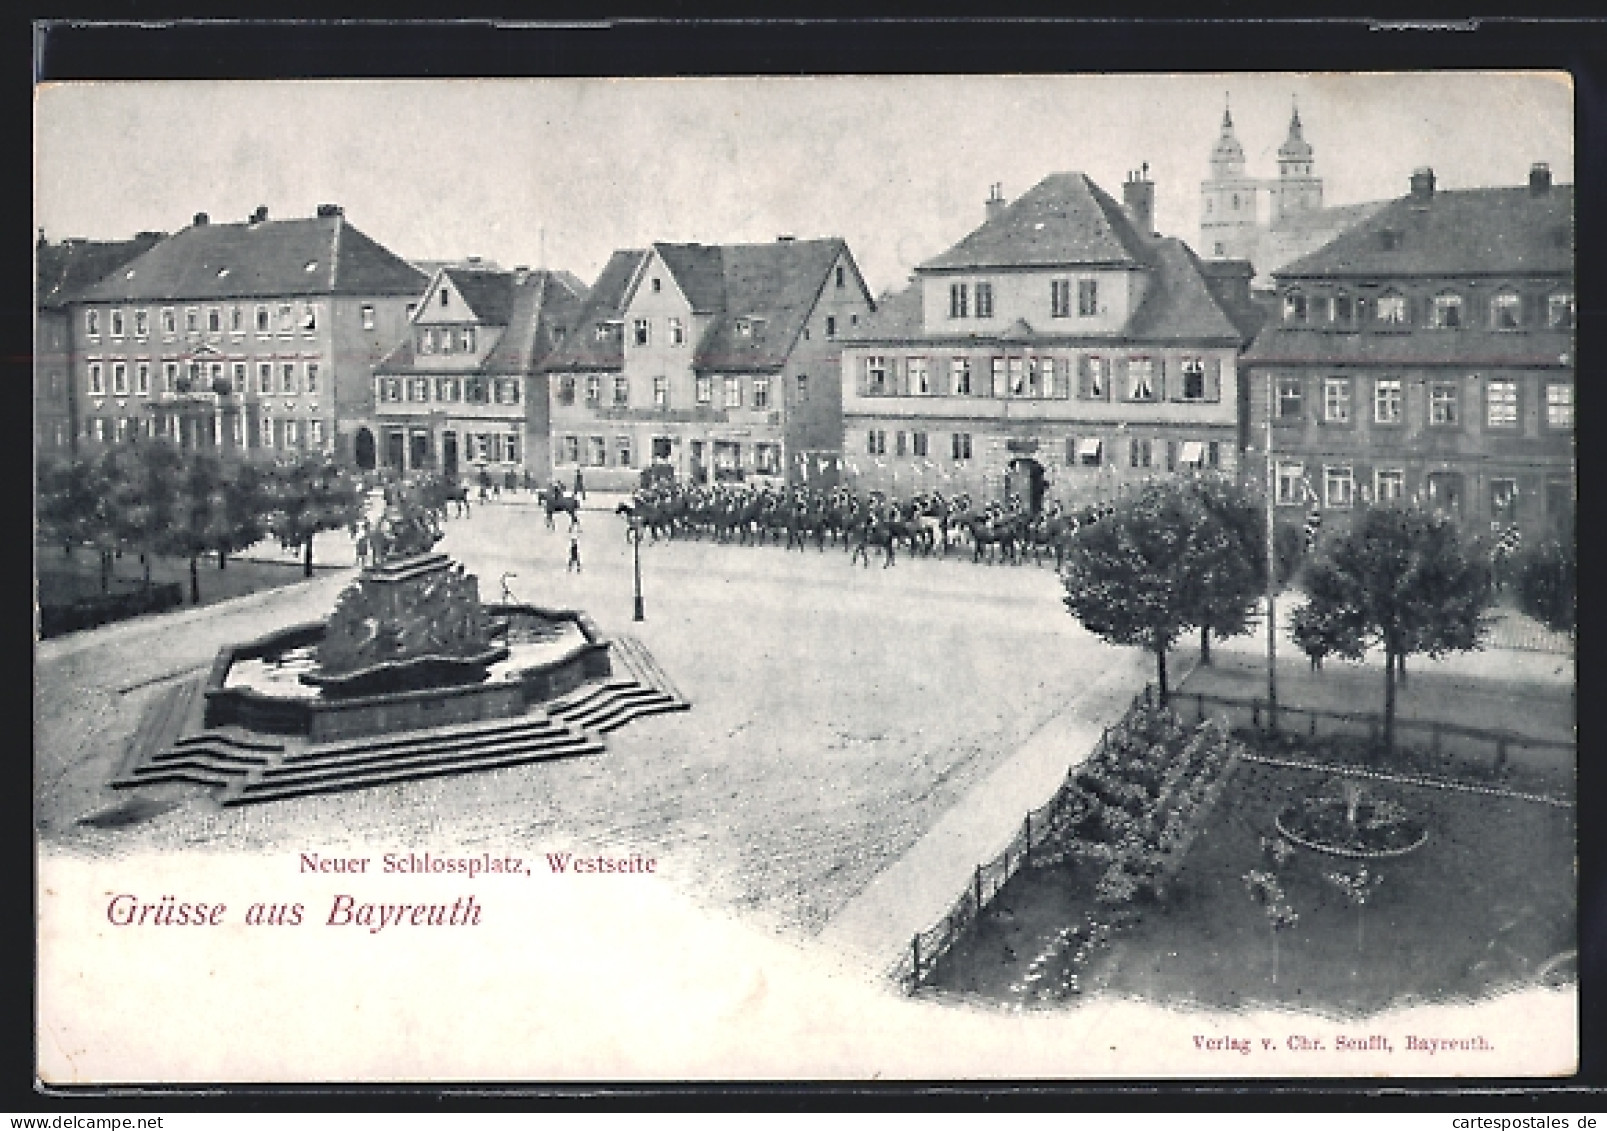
(638, 688)
(350, 765)
(154, 753)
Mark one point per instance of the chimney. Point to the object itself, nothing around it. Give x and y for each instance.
(260, 215)
(200, 220)
(995, 203)
(521, 275)
(329, 210)
(786, 238)
(1423, 184)
(474, 261)
(1539, 178)
(1138, 194)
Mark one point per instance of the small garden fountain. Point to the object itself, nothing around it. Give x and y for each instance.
(1350, 819)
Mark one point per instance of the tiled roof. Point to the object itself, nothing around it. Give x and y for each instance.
(322, 255)
(898, 317)
(1063, 219)
(581, 349)
(539, 303)
(1453, 232)
(487, 291)
(1179, 305)
(698, 270)
(773, 287)
(1462, 348)
(66, 268)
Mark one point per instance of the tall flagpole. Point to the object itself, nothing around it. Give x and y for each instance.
(1272, 566)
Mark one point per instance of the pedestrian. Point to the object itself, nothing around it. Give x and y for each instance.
(574, 554)
(485, 483)
(580, 485)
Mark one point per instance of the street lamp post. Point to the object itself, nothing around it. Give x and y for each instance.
(636, 554)
(1272, 565)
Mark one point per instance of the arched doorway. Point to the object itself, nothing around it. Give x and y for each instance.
(1025, 478)
(364, 449)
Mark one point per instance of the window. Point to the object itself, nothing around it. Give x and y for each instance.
(1387, 400)
(1389, 484)
(875, 376)
(1338, 486)
(997, 387)
(1213, 454)
(122, 428)
(120, 378)
(571, 449)
(566, 389)
(1442, 397)
(368, 317)
(767, 459)
(898, 444)
(292, 433)
(1336, 400)
(287, 318)
(959, 300)
(315, 433)
(1559, 406)
(744, 328)
(390, 389)
(733, 392)
(1447, 312)
(661, 449)
(446, 389)
(803, 387)
(214, 320)
(920, 382)
(962, 445)
(239, 376)
(312, 377)
(1291, 484)
(984, 300)
(1504, 500)
(658, 285)
(265, 377)
(1089, 451)
(266, 431)
(704, 390)
(1290, 397)
(622, 450)
(1506, 311)
(92, 323)
(1193, 379)
(445, 339)
(418, 389)
(512, 445)
(215, 374)
(1559, 311)
(918, 443)
(170, 323)
(603, 331)
(100, 430)
(598, 451)
(761, 392)
(170, 375)
(446, 296)
(309, 318)
(262, 320)
(841, 272)
(287, 377)
(1018, 377)
(661, 392)
(1344, 309)
(831, 326)
(1139, 453)
(426, 341)
(875, 443)
(622, 391)
(117, 323)
(475, 391)
(507, 390)
(594, 391)
(640, 331)
(1294, 307)
(142, 378)
(677, 332)
(1140, 379)
(960, 376)
(142, 323)
(1088, 298)
(1501, 404)
(1060, 298)
(1390, 308)
(1095, 378)
(192, 321)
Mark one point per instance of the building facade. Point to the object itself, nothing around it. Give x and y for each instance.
(1057, 352)
(465, 388)
(717, 362)
(254, 339)
(1427, 355)
(62, 270)
(1232, 223)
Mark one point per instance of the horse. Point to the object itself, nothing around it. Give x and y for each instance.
(555, 501)
(992, 531)
(873, 531)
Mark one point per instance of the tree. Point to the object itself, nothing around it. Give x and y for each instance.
(71, 501)
(1129, 577)
(311, 495)
(1227, 568)
(1400, 579)
(1546, 581)
(198, 513)
(240, 515)
(140, 483)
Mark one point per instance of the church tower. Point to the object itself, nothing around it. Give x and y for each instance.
(1228, 223)
(1297, 191)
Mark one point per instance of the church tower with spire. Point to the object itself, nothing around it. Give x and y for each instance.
(1228, 214)
(1297, 191)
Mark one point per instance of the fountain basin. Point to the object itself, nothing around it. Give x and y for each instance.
(259, 685)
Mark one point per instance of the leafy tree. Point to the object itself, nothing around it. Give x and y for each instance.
(197, 514)
(1227, 568)
(240, 513)
(1400, 579)
(311, 495)
(1546, 581)
(71, 502)
(140, 481)
(1129, 577)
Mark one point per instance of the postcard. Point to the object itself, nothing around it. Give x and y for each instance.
(711, 579)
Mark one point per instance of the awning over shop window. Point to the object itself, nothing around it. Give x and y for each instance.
(1089, 448)
(1193, 451)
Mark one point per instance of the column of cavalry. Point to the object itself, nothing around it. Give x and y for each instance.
(925, 524)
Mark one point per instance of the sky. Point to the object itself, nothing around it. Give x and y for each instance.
(560, 172)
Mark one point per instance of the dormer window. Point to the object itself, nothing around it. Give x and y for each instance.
(309, 318)
(1390, 308)
(744, 328)
(1506, 311)
(1294, 307)
(1560, 311)
(1447, 312)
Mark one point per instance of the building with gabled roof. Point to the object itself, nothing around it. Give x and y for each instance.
(253, 338)
(717, 361)
(62, 270)
(464, 390)
(1057, 351)
(1427, 354)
